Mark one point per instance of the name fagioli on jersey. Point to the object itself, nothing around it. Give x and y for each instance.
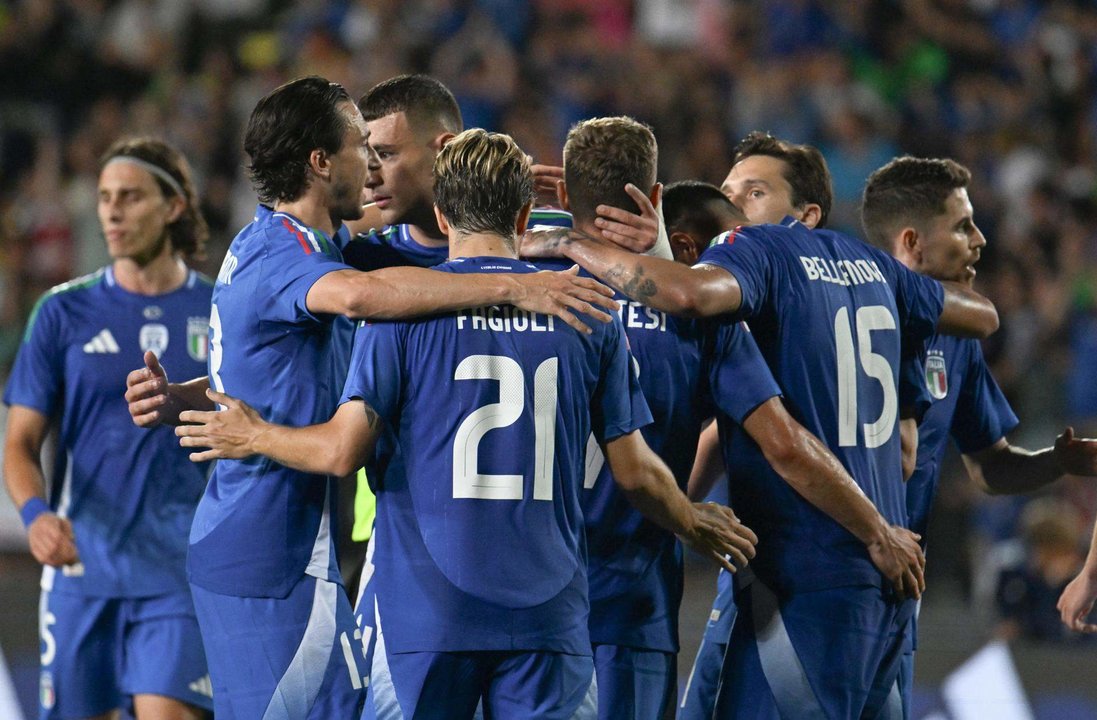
(842, 272)
(504, 318)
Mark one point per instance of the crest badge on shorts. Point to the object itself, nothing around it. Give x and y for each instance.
(154, 337)
(936, 375)
(198, 338)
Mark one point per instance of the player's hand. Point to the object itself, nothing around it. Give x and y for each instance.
(545, 180)
(1076, 602)
(1075, 456)
(637, 233)
(150, 403)
(52, 541)
(899, 558)
(718, 535)
(228, 433)
(563, 294)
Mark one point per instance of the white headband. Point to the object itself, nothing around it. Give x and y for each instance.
(152, 169)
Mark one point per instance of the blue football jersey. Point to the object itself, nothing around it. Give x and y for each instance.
(831, 315)
(129, 493)
(392, 246)
(479, 540)
(260, 525)
(967, 404)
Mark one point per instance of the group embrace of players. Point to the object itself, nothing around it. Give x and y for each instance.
(529, 435)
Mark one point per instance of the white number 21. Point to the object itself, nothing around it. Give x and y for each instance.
(468, 481)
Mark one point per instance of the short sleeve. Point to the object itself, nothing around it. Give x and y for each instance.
(743, 255)
(914, 397)
(983, 415)
(289, 270)
(918, 298)
(37, 379)
(618, 406)
(376, 368)
(738, 374)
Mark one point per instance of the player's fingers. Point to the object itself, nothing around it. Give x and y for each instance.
(146, 390)
(221, 398)
(736, 555)
(562, 312)
(723, 562)
(196, 417)
(204, 456)
(546, 171)
(589, 283)
(641, 199)
(627, 241)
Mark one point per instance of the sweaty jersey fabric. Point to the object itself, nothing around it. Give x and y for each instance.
(967, 404)
(479, 539)
(832, 316)
(130, 493)
(260, 525)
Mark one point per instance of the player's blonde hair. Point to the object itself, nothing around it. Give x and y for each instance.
(603, 155)
(482, 180)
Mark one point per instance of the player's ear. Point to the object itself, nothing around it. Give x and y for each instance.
(910, 242)
(443, 225)
(656, 194)
(176, 206)
(440, 141)
(683, 248)
(562, 195)
(320, 163)
(811, 214)
(522, 221)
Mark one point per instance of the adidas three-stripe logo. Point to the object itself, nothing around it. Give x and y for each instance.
(102, 343)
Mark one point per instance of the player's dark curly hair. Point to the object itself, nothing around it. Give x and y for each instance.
(805, 169)
(482, 180)
(422, 98)
(189, 231)
(285, 127)
(908, 192)
(699, 208)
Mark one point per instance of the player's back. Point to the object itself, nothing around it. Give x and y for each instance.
(830, 315)
(480, 543)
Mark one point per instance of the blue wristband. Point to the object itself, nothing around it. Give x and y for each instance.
(32, 509)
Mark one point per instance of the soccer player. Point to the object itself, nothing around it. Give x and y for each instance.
(919, 211)
(830, 315)
(116, 619)
(695, 213)
(277, 627)
(482, 587)
(635, 567)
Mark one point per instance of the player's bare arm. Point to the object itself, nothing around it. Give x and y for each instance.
(710, 529)
(406, 292)
(813, 471)
(699, 291)
(153, 401)
(966, 312)
(1004, 469)
(1078, 597)
(708, 464)
(635, 232)
(50, 537)
(337, 447)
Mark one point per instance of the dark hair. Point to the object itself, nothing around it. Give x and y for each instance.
(189, 231)
(603, 155)
(806, 169)
(907, 191)
(698, 208)
(285, 127)
(422, 98)
(482, 180)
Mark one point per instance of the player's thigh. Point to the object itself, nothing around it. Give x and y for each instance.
(292, 657)
(635, 683)
(699, 697)
(544, 685)
(429, 685)
(80, 656)
(163, 656)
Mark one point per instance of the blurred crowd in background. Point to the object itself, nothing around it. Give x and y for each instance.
(1007, 87)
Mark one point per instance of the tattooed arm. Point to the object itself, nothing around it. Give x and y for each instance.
(337, 447)
(698, 291)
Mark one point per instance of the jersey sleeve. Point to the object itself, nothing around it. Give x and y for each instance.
(738, 374)
(376, 373)
(914, 397)
(289, 271)
(37, 379)
(918, 298)
(983, 415)
(618, 406)
(742, 254)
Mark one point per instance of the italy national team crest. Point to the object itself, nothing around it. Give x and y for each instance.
(936, 376)
(46, 695)
(154, 336)
(198, 338)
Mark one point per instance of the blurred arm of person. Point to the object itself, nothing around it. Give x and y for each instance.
(1004, 469)
(1077, 599)
(708, 465)
(51, 538)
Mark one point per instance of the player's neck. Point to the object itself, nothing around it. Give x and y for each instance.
(163, 274)
(428, 236)
(479, 245)
(309, 211)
